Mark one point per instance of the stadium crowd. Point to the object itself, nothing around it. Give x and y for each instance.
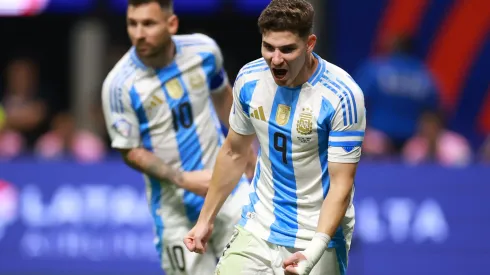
(405, 119)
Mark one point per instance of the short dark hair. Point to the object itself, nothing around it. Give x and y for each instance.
(165, 4)
(295, 16)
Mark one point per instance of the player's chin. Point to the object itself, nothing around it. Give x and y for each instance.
(144, 51)
(282, 82)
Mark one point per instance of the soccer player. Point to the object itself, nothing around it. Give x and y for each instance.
(158, 105)
(309, 118)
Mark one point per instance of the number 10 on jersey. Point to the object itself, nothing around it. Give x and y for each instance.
(182, 116)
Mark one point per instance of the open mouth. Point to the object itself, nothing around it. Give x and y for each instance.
(279, 73)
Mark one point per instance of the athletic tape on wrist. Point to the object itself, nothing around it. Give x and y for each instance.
(313, 253)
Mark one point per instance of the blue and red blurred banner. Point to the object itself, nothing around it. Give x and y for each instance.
(34, 7)
(181, 6)
(450, 35)
(67, 218)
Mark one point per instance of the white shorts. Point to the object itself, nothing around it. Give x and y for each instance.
(177, 260)
(247, 254)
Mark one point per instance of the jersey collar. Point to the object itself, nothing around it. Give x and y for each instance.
(320, 70)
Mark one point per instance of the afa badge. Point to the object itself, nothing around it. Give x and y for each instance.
(304, 125)
(282, 114)
(174, 88)
(196, 80)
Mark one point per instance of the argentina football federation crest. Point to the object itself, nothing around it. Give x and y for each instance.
(304, 125)
(196, 80)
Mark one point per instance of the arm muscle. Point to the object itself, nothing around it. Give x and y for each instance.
(146, 162)
(338, 198)
(230, 164)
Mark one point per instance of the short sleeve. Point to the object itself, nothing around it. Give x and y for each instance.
(240, 112)
(348, 125)
(121, 120)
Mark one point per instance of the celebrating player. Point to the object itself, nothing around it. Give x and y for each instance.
(309, 118)
(158, 105)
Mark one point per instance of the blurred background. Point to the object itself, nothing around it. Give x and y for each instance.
(69, 206)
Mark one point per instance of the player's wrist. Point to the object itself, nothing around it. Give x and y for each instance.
(317, 246)
(206, 219)
(207, 214)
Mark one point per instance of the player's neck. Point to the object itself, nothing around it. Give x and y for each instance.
(161, 60)
(306, 72)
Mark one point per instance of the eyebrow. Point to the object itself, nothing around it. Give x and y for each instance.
(293, 45)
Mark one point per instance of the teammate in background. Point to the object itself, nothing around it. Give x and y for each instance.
(158, 106)
(309, 118)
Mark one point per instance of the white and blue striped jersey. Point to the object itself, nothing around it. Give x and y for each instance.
(299, 130)
(169, 112)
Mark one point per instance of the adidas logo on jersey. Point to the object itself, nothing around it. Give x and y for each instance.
(258, 114)
(155, 101)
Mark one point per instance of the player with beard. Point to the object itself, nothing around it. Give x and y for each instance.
(162, 104)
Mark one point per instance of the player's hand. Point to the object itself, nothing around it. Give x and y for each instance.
(296, 265)
(197, 181)
(197, 239)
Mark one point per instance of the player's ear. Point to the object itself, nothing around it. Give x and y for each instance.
(173, 24)
(310, 43)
